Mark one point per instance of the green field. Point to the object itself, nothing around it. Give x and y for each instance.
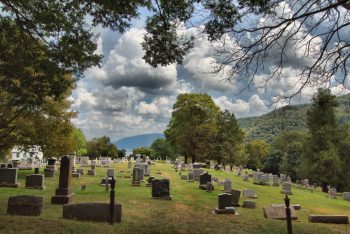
(188, 212)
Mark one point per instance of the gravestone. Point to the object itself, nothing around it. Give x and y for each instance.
(227, 186)
(142, 174)
(346, 196)
(275, 180)
(129, 164)
(91, 172)
(63, 194)
(337, 219)
(197, 173)
(235, 195)
(265, 179)
(35, 181)
(210, 187)
(149, 181)
(283, 178)
(49, 171)
(76, 175)
(249, 193)
(25, 205)
(190, 177)
(246, 177)
(215, 179)
(136, 176)
(224, 204)
(80, 171)
(8, 177)
(287, 188)
(249, 204)
(36, 170)
(278, 212)
(332, 193)
(110, 172)
(161, 189)
(96, 212)
(203, 180)
(184, 177)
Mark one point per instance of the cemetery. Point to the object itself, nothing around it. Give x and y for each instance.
(164, 202)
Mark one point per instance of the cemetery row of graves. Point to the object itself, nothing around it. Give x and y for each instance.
(155, 197)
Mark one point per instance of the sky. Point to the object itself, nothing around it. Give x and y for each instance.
(126, 97)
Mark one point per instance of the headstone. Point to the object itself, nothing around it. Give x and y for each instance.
(346, 196)
(210, 187)
(36, 170)
(110, 172)
(283, 178)
(338, 219)
(224, 204)
(149, 181)
(289, 179)
(35, 181)
(8, 177)
(249, 193)
(235, 195)
(265, 179)
(287, 188)
(215, 179)
(197, 173)
(249, 204)
(63, 194)
(129, 164)
(332, 193)
(96, 212)
(190, 176)
(91, 172)
(203, 180)
(227, 186)
(76, 175)
(136, 176)
(246, 177)
(25, 205)
(278, 212)
(275, 180)
(161, 189)
(80, 171)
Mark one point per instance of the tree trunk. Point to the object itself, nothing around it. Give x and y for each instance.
(185, 159)
(193, 159)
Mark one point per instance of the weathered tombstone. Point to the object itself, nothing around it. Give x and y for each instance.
(49, 171)
(278, 212)
(224, 204)
(96, 212)
(25, 205)
(76, 175)
(91, 172)
(287, 188)
(203, 180)
(275, 180)
(283, 178)
(8, 177)
(337, 219)
(210, 187)
(265, 179)
(289, 179)
(227, 186)
(235, 195)
(142, 174)
(249, 204)
(190, 177)
(332, 193)
(110, 172)
(149, 181)
(36, 170)
(215, 179)
(129, 164)
(346, 196)
(80, 171)
(63, 194)
(35, 181)
(249, 193)
(136, 176)
(161, 189)
(246, 177)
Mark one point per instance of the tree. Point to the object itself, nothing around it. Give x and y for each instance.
(44, 42)
(161, 148)
(80, 141)
(101, 146)
(121, 153)
(143, 151)
(249, 34)
(273, 161)
(291, 160)
(192, 125)
(322, 160)
(257, 151)
(224, 144)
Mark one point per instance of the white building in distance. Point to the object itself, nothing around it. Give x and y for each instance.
(31, 153)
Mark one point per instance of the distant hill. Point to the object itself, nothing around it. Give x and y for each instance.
(128, 143)
(287, 118)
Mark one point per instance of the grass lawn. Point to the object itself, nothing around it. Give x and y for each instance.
(188, 212)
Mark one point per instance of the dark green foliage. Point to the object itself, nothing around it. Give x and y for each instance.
(121, 153)
(162, 149)
(272, 163)
(101, 146)
(143, 151)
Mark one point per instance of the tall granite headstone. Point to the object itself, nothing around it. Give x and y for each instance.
(63, 194)
(161, 189)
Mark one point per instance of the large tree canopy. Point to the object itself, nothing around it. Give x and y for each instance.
(253, 37)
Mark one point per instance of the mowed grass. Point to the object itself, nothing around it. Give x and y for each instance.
(188, 212)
